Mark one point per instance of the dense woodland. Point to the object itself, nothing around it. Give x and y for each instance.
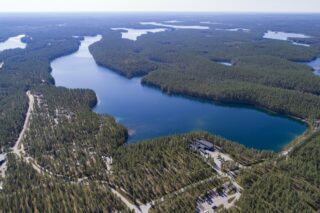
(24, 69)
(289, 185)
(186, 201)
(66, 138)
(265, 73)
(27, 191)
(13, 107)
(70, 142)
(151, 169)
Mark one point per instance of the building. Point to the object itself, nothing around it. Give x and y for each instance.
(201, 145)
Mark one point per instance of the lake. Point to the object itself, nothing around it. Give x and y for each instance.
(283, 36)
(235, 29)
(133, 34)
(225, 63)
(12, 43)
(149, 113)
(190, 27)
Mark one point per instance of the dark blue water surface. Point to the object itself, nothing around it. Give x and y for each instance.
(149, 113)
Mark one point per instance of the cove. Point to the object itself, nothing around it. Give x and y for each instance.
(149, 113)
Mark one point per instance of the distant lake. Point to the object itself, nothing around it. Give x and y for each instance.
(235, 29)
(286, 37)
(225, 63)
(12, 43)
(133, 34)
(190, 27)
(149, 113)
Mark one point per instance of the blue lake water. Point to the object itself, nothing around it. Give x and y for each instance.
(149, 113)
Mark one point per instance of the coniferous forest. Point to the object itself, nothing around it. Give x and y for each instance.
(71, 159)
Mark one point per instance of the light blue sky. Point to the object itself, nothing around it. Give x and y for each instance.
(160, 5)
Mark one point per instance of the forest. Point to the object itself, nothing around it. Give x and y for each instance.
(186, 201)
(24, 69)
(264, 73)
(67, 138)
(72, 145)
(151, 169)
(291, 184)
(27, 191)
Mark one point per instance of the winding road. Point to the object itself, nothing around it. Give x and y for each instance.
(18, 147)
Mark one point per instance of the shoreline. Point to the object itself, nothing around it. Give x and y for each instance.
(221, 102)
(252, 106)
(191, 97)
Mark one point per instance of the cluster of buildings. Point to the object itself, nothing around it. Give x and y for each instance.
(202, 145)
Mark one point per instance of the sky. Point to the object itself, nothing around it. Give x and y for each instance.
(288, 6)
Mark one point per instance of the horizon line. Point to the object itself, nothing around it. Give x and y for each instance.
(137, 11)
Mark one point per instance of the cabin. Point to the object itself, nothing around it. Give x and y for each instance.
(201, 145)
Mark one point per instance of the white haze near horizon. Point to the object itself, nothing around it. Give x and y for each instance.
(291, 6)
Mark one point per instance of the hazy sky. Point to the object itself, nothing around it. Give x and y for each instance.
(160, 5)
